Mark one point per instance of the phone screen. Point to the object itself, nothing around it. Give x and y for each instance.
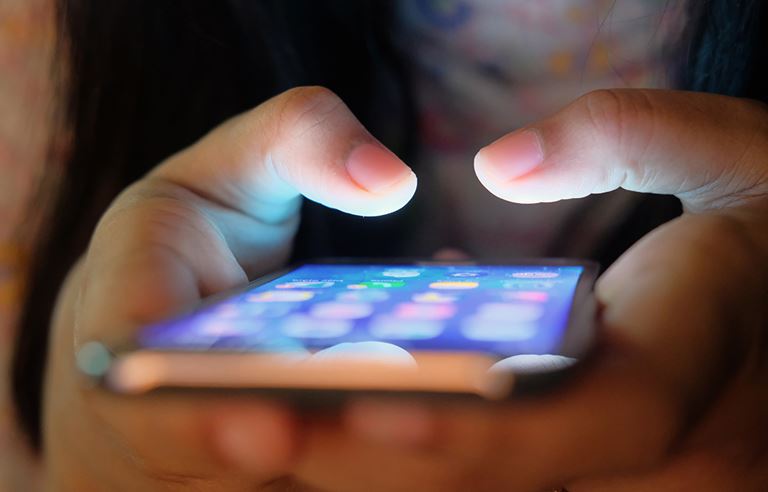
(335, 308)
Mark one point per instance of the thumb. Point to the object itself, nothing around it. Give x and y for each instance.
(706, 149)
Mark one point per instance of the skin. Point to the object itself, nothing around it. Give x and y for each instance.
(674, 400)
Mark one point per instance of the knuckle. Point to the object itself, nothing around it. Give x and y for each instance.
(622, 122)
(609, 112)
(601, 106)
(308, 93)
(742, 176)
(154, 212)
(605, 113)
(303, 108)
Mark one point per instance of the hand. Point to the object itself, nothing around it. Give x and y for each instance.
(203, 221)
(678, 396)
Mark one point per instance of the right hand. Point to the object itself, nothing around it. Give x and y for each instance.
(207, 219)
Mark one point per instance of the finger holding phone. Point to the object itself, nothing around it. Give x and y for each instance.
(203, 221)
(676, 399)
(659, 301)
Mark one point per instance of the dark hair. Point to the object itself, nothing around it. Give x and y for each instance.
(145, 78)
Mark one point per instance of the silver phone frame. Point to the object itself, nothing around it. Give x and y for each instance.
(579, 339)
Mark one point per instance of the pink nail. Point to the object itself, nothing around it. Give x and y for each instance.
(259, 440)
(374, 168)
(513, 155)
(408, 424)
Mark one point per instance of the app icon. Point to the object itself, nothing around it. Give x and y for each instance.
(528, 284)
(468, 274)
(248, 310)
(535, 275)
(434, 297)
(225, 328)
(401, 273)
(411, 310)
(267, 309)
(341, 310)
(229, 310)
(305, 284)
(453, 285)
(389, 327)
(526, 295)
(182, 338)
(303, 326)
(491, 330)
(363, 295)
(510, 311)
(381, 284)
(280, 296)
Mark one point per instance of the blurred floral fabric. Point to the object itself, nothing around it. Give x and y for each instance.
(26, 42)
(482, 68)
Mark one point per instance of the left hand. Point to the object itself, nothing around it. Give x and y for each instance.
(678, 398)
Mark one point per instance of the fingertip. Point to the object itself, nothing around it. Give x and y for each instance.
(399, 423)
(375, 169)
(385, 202)
(391, 199)
(505, 165)
(512, 156)
(386, 182)
(490, 180)
(481, 166)
(259, 440)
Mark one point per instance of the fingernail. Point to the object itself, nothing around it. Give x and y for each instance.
(391, 423)
(513, 155)
(254, 442)
(375, 168)
(235, 444)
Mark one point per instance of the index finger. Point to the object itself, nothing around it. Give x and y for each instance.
(230, 201)
(302, 142)
(706, 149)
(186, 231)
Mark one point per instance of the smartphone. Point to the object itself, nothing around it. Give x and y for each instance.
(339, 327)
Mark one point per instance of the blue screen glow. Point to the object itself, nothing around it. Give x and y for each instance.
(499, 310)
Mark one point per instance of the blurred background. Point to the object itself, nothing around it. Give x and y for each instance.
(26, 45)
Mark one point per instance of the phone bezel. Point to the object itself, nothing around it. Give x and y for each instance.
(576, 343)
